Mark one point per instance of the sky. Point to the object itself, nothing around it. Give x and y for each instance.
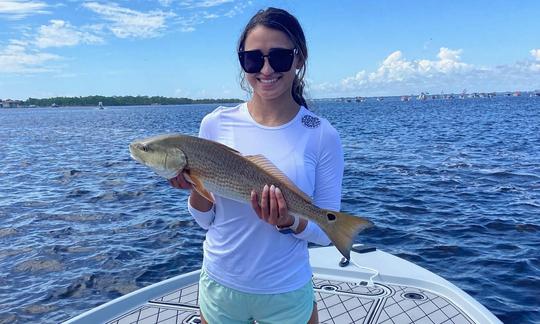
(187, 48)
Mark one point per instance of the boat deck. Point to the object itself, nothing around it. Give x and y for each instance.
(338, 302)
(374, 287)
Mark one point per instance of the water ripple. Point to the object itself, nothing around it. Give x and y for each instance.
(451, 185)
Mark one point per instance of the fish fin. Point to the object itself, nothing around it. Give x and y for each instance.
(269, 167)
(199, 187)
(342, 228)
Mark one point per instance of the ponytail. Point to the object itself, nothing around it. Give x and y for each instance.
(298, 90)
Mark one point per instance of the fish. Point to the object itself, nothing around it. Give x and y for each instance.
(214, 168)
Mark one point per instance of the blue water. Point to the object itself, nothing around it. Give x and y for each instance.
(452, 185)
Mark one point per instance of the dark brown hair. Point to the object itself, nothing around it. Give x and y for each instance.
(283, 21)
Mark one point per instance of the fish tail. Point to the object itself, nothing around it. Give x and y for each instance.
(342, 228)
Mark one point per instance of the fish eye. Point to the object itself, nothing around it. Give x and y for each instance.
(142, 147)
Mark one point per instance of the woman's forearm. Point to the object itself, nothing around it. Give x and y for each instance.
(199, 202)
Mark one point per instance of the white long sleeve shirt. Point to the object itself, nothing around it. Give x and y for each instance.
(243, 252)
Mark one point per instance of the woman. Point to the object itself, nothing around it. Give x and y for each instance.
(257, 268)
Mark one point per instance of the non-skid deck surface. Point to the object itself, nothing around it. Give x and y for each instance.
(338, 303)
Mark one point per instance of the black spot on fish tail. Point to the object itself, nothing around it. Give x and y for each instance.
(331, 217)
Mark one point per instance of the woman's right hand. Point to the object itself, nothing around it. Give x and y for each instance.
(180, 182)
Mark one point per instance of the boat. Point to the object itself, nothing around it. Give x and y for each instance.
(372, 287)
(100, 105)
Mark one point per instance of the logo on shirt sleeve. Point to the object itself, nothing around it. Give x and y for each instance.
(311, 121)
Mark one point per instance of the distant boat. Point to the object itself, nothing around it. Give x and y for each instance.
(380, 99)
(360, 99)
(54, 105)
(422, 96)
(405, 98)
(100, 105)
(516, 94)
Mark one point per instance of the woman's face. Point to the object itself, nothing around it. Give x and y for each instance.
(267, 83)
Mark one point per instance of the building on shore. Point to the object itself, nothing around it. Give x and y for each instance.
(8, 103)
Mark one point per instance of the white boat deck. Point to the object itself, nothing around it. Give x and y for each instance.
(338, 302)
(344, 295)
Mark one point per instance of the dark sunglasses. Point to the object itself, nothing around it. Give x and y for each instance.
(280, 59)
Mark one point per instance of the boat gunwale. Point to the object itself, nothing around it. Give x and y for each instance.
(123, 305)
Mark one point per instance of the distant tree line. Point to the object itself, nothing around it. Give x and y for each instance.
(121, 101)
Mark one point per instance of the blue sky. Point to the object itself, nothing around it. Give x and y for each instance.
(183, 48)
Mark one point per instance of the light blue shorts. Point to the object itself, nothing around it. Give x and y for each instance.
(222, 305)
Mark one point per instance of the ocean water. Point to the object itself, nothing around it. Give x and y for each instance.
(452, 185)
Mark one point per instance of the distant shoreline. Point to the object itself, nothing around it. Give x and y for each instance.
(103, 101)
(126, 101)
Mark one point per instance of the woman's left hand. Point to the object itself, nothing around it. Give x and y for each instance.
(273, 207)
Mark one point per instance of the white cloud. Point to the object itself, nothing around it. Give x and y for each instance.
(188, 23)
(219, 8)
(536, 54)
(396, 68)
(238, 9)
(61, 33)
(18, 9)
(165, 3)
(17, 58)
(26, 55)
(397, 75)
(205, 4)
(128, 23)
